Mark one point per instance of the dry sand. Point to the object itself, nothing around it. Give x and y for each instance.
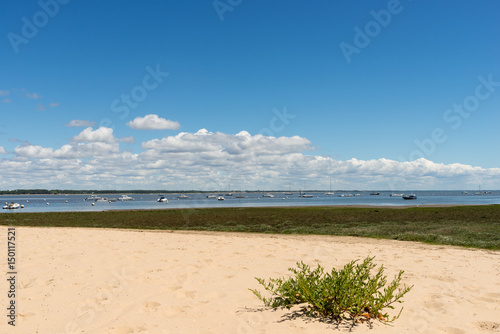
(74, 280)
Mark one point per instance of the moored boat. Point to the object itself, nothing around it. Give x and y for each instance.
(125, 198)
(92, 198)
(12, 206)
(411, 196)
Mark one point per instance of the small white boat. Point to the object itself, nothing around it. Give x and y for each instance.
(125, 198)
(211, 196)
(307, 196)
(162, 199)
(92, 198)
(268, 195)
(330, 192)
(12, 206)
(396, 195)
(229, 194)
(96, 198)
(220, 198)
(182, 197)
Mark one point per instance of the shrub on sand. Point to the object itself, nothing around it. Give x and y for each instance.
(350, 293)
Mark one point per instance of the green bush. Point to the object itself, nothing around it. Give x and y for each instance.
(348, 293)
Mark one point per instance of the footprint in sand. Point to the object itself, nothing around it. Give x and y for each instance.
(184, 294)
(493, 295)
(452, 330)
(119, 330)
(177, 311)
(173, 288)
(151, 306)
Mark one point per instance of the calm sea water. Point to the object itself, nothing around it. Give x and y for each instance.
(60, 203)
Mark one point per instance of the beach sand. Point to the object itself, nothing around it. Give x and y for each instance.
(75, 280)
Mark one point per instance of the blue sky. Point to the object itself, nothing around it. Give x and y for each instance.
(375, 95)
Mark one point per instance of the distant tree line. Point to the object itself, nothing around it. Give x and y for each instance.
(79, 192)
(76, 192)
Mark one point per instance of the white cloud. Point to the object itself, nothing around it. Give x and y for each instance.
(78, 123)
(214, 160)
(2, 150)
(240, 144)
(4, 92)
(6, 100)
(33, 96)
(153, 122)
(102, 134)
(33, 151)
(73, 151)
(53, 104)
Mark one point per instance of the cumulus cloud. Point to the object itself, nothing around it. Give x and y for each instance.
(78, 150)
(33, 151)
(2, 150)
(214, 160)
(240, 144)
(80, 123)
(153, 122)
(102, 134)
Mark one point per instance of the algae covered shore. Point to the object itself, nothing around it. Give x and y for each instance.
(469, 226)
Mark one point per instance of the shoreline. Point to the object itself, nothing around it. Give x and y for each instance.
(340, 206)
(474, 226)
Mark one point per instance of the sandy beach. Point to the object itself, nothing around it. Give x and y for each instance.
(75, 280)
